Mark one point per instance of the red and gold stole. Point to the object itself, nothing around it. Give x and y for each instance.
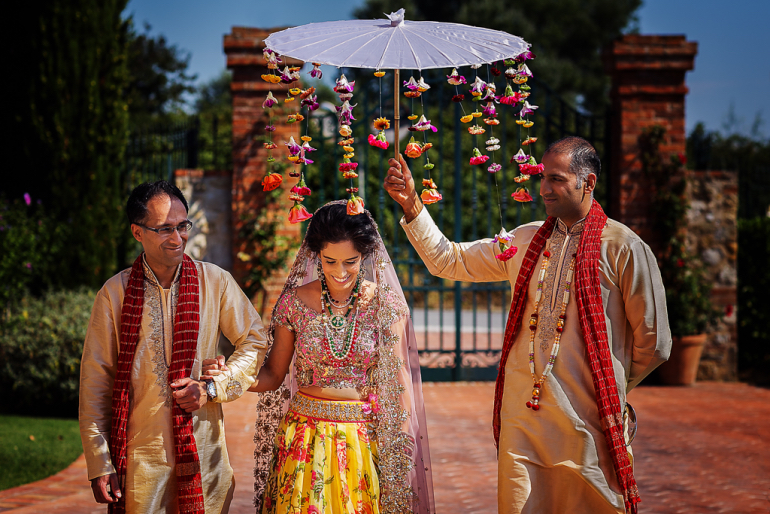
(184, 347)
(589, 302)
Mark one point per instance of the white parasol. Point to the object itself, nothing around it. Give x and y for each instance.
(396, 44)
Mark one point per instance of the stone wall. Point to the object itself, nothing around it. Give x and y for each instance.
(208, 194)
(713, 236)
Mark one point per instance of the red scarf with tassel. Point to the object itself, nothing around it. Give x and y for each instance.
(184, 347)
(589, 302)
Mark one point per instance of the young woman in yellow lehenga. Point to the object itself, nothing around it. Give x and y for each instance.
(340, 422)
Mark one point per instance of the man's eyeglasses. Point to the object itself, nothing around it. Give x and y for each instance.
(183, 227)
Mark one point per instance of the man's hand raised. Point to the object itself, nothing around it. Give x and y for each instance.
(400, 186)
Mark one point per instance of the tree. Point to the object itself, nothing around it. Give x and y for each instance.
(566, 35)
(158, 78)
(68, 126)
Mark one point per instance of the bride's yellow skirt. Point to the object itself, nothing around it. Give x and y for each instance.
(324, 461)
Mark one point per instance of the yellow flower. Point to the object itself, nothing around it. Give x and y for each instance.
(345, 130)
(529, 124)
(289, 99)
(379, 73)
(306, 138)
(520, 122)
(346, 142)
(467, 118)
(382, 123)
(412, 117)
(476, 114)
(349, 155)
(348, 149)
(295, 91)
(294, 158)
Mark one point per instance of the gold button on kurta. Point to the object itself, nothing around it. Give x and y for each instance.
(151, 480)
(556, 459)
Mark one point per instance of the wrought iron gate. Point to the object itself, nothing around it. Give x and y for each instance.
(459, 326)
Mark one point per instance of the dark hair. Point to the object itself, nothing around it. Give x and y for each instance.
(332, 224)
(583, 156)
(136, 207)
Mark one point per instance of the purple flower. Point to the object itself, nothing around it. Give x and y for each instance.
(520, 157)
(269, 101)
(523, 71)
(424, 124)
(27, 199)
(523, 56)
(28, 265)
(293, 147)
(311, 102)
(527, 109)
(316, 72)
(343, 86)
(489, 110)
(455, 78)
(478, 87)
(345, 112)
(270, 128)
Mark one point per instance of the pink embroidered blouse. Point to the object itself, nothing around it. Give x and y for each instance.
(314, 362)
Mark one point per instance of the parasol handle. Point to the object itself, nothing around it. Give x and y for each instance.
(396, 113)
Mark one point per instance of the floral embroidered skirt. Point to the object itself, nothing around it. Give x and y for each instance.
(324, 461)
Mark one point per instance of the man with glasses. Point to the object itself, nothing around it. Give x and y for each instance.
(152, 431)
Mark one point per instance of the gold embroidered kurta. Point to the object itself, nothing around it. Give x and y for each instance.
(150, 480)
(556, 459)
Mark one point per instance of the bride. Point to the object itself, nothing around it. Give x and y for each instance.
(340, 421)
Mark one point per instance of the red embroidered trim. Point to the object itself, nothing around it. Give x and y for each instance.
(589, 302)
(184, 347)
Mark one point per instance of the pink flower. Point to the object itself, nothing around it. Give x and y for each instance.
(489, 110)
(478, 87)
(301, 190)
(522, 195)
(343, 86)
(316, 72)
(429, 196)
(523, 56)
(494, 168)
(455, 78)
(27, 199)
(348, 166)
(507, 254)
(478, 158)
(297, 214)
(355, 205)
(509, 97)
(378, 141)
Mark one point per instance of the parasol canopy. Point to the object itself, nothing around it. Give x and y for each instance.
(395, 43)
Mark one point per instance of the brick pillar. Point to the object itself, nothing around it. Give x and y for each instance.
(243, 48)
(648, 88)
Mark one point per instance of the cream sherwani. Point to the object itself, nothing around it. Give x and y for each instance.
(150, 480)
(556, 460)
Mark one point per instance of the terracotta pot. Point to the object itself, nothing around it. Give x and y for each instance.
(682, 367)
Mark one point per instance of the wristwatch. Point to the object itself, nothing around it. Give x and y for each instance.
(211, 389)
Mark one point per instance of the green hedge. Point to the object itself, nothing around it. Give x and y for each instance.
(41, 342)
(753, 299)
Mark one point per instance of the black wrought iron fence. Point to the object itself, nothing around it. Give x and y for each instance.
(459, 326)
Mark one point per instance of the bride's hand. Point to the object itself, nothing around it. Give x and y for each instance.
(214, 367)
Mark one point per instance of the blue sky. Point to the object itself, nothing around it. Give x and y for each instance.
(731, 76)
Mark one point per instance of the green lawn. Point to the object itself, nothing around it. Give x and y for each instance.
(34, 448)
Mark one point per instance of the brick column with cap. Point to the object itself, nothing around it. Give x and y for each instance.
(648, 88)
(243, 47)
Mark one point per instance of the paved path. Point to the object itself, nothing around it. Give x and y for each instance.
(699, 450)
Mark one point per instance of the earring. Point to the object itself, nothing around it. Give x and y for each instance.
(320, 270)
